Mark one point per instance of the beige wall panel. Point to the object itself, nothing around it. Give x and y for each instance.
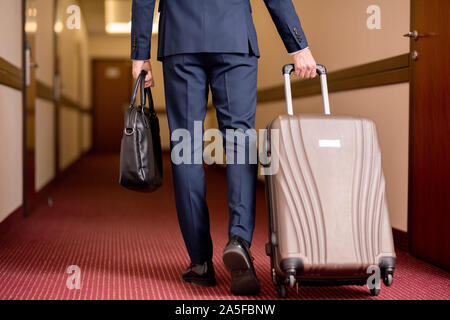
(164, 131)
(45, 143)
(69, 150)
(11, 184)
(75, 84)
(44, 42)
(73, 55)
(389, 108)
(11, 31)
(211, 119)
(85, 85)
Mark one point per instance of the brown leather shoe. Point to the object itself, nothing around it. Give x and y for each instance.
(238, 260)
(200, 274)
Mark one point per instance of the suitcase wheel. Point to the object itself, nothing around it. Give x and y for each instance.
(269, 249)
(282, 291)
(388, 279)
(292, 281)
(374, 292)
(281, 286)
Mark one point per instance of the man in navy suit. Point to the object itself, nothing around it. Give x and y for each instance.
(212, 44)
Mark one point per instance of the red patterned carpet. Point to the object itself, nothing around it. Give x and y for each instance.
(128, 246)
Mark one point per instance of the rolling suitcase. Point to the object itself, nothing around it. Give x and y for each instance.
(328, 216)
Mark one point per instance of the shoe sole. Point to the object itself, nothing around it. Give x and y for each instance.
(243, 279)
(200, 283)
(234, 259)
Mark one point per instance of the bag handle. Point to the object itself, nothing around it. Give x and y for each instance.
(136, 87)
(140, 83)
(151, 104)
(144, 93)
(321, 71)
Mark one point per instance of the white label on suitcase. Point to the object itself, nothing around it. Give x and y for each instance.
(325, 143)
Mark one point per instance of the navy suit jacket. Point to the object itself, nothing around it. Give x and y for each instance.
(213, 26)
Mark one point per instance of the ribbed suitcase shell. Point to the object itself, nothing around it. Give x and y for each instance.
(327, 204)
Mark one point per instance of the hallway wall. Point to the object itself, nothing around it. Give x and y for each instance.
(45, 143)
(10, 111)
(74, 126)
(337, 34)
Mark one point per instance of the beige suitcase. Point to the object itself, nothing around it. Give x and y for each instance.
(328, 216)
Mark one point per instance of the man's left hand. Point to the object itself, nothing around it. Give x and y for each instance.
(305, 65)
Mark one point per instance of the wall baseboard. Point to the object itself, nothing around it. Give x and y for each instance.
(63, 172)
(11, 220)
(45, 191)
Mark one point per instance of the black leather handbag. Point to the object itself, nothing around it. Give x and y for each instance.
(140, 151)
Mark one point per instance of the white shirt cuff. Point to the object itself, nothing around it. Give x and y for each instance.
(292, 53)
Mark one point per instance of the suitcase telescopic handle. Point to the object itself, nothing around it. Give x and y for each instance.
(321, 71)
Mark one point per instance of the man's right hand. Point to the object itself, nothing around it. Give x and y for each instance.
(138, 66)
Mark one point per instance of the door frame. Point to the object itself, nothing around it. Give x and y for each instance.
(411, 126)
(26, 180)
(28, 92)
(412, 109)
(28, 113)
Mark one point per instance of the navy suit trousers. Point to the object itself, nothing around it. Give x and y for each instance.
(232, 78)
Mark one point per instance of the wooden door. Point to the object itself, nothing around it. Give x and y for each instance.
(112, 92)
(429, 196)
